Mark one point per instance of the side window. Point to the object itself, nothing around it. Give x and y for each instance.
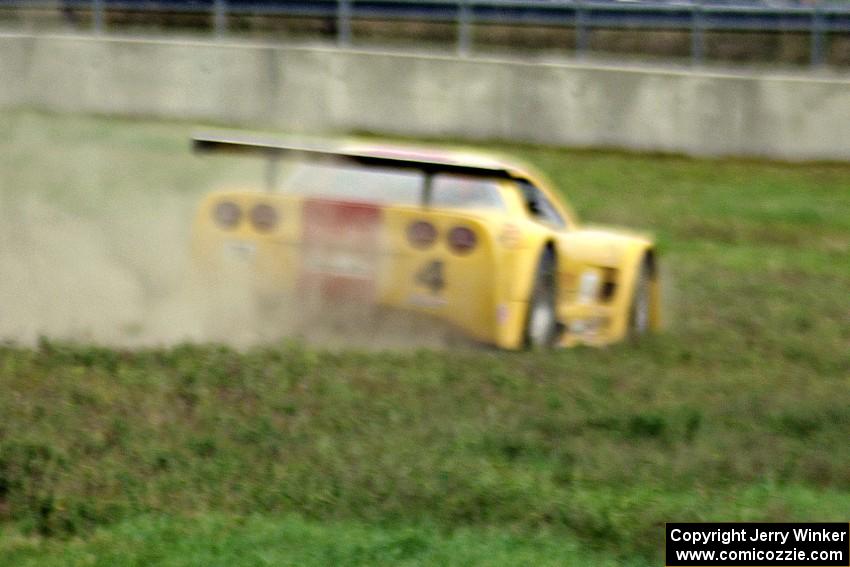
(539, 206)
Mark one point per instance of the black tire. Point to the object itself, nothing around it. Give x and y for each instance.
(640, 311)
(541, 322)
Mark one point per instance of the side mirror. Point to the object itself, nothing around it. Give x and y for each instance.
(534, 206)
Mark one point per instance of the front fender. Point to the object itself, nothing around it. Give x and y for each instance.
(617, 257)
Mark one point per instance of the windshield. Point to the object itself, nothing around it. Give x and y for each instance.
(389, 186)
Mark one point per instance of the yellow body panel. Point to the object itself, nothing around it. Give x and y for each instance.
(484, 293)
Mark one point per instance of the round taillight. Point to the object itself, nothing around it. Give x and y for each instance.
(227, 214)
(264, 217)
(462, 240)
(421, 234)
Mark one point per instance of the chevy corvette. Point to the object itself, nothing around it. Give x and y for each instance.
(483, 244)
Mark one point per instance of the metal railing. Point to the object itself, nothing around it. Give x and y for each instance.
(696, 17)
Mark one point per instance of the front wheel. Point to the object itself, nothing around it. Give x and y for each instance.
(640, 314)
(541, 327)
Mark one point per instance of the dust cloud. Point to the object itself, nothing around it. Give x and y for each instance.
(96, 220)
(121, 277)
(69, 276)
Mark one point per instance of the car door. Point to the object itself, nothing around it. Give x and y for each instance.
(542, 211)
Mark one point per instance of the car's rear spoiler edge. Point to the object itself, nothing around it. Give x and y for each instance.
(271, 147)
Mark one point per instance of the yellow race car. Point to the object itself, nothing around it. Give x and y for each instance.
(481, 244)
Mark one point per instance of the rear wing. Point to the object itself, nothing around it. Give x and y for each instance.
(274, 149)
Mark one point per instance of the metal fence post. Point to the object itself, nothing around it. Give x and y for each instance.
(97, 16)
(343, 25)
(697, 39)
(220, 17)
(581, 30)
(464, 30)
(817, 33)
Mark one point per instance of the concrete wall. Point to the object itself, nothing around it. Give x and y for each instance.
(321, 90)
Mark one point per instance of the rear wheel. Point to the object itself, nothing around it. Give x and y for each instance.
(541, 327)
(641, 309)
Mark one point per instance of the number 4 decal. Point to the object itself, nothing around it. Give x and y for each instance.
(431, 276)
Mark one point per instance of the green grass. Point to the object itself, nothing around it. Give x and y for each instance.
(216, 540)
(200, 454)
